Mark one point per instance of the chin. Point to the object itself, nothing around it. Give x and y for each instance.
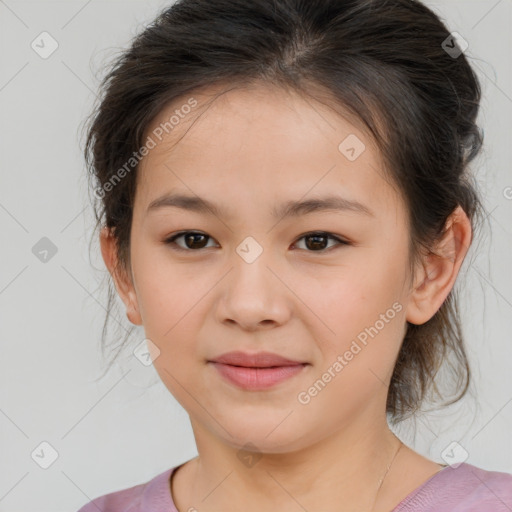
(265, 436)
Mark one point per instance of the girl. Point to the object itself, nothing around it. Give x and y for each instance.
(286, 201)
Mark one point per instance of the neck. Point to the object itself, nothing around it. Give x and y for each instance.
(345, 468)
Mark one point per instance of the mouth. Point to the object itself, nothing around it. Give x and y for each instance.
(258, 371)
(255, 360)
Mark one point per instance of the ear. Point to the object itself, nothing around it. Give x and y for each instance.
(122, 281)
(436, 275)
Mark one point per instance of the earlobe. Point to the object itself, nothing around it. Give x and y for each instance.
(122, 282)
(438, 271)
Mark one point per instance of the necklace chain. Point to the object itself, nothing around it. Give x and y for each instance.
(381, 481)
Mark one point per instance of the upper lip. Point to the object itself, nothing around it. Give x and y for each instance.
(256, 360)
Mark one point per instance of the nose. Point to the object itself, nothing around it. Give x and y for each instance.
(253, 296)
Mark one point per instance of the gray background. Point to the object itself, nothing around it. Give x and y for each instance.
(115, 432)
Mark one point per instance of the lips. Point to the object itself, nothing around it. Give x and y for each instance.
(257, 360)
(256, 372)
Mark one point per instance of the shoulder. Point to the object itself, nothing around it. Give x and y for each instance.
(148, 496)
(462, 488)
(481, 488)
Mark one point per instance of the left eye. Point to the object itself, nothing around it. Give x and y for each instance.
(318, 239)
(190, 237)
(196, 240)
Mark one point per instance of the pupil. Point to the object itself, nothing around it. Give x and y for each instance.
(316, 244)
(193, 235)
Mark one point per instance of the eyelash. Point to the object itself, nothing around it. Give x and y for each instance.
(171, 240)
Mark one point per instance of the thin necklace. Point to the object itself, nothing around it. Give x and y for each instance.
(385, 474)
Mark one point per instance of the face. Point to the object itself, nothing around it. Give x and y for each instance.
(322, 286)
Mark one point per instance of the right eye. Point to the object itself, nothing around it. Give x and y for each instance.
(194, 240)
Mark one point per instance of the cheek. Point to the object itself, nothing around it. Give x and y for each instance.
(173, 306)
(367, 320)
(166, 293)
(363, 305)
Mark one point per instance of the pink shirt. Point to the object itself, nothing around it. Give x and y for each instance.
(465, 488)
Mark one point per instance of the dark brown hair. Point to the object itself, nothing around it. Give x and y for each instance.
(385, 64)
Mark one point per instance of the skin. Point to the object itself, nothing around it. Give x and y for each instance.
(248, 152)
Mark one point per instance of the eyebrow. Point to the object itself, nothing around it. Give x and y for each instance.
(289, 209)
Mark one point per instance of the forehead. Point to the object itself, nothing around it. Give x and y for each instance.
(260, 140)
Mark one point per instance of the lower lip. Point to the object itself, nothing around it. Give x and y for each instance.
(257, 378)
